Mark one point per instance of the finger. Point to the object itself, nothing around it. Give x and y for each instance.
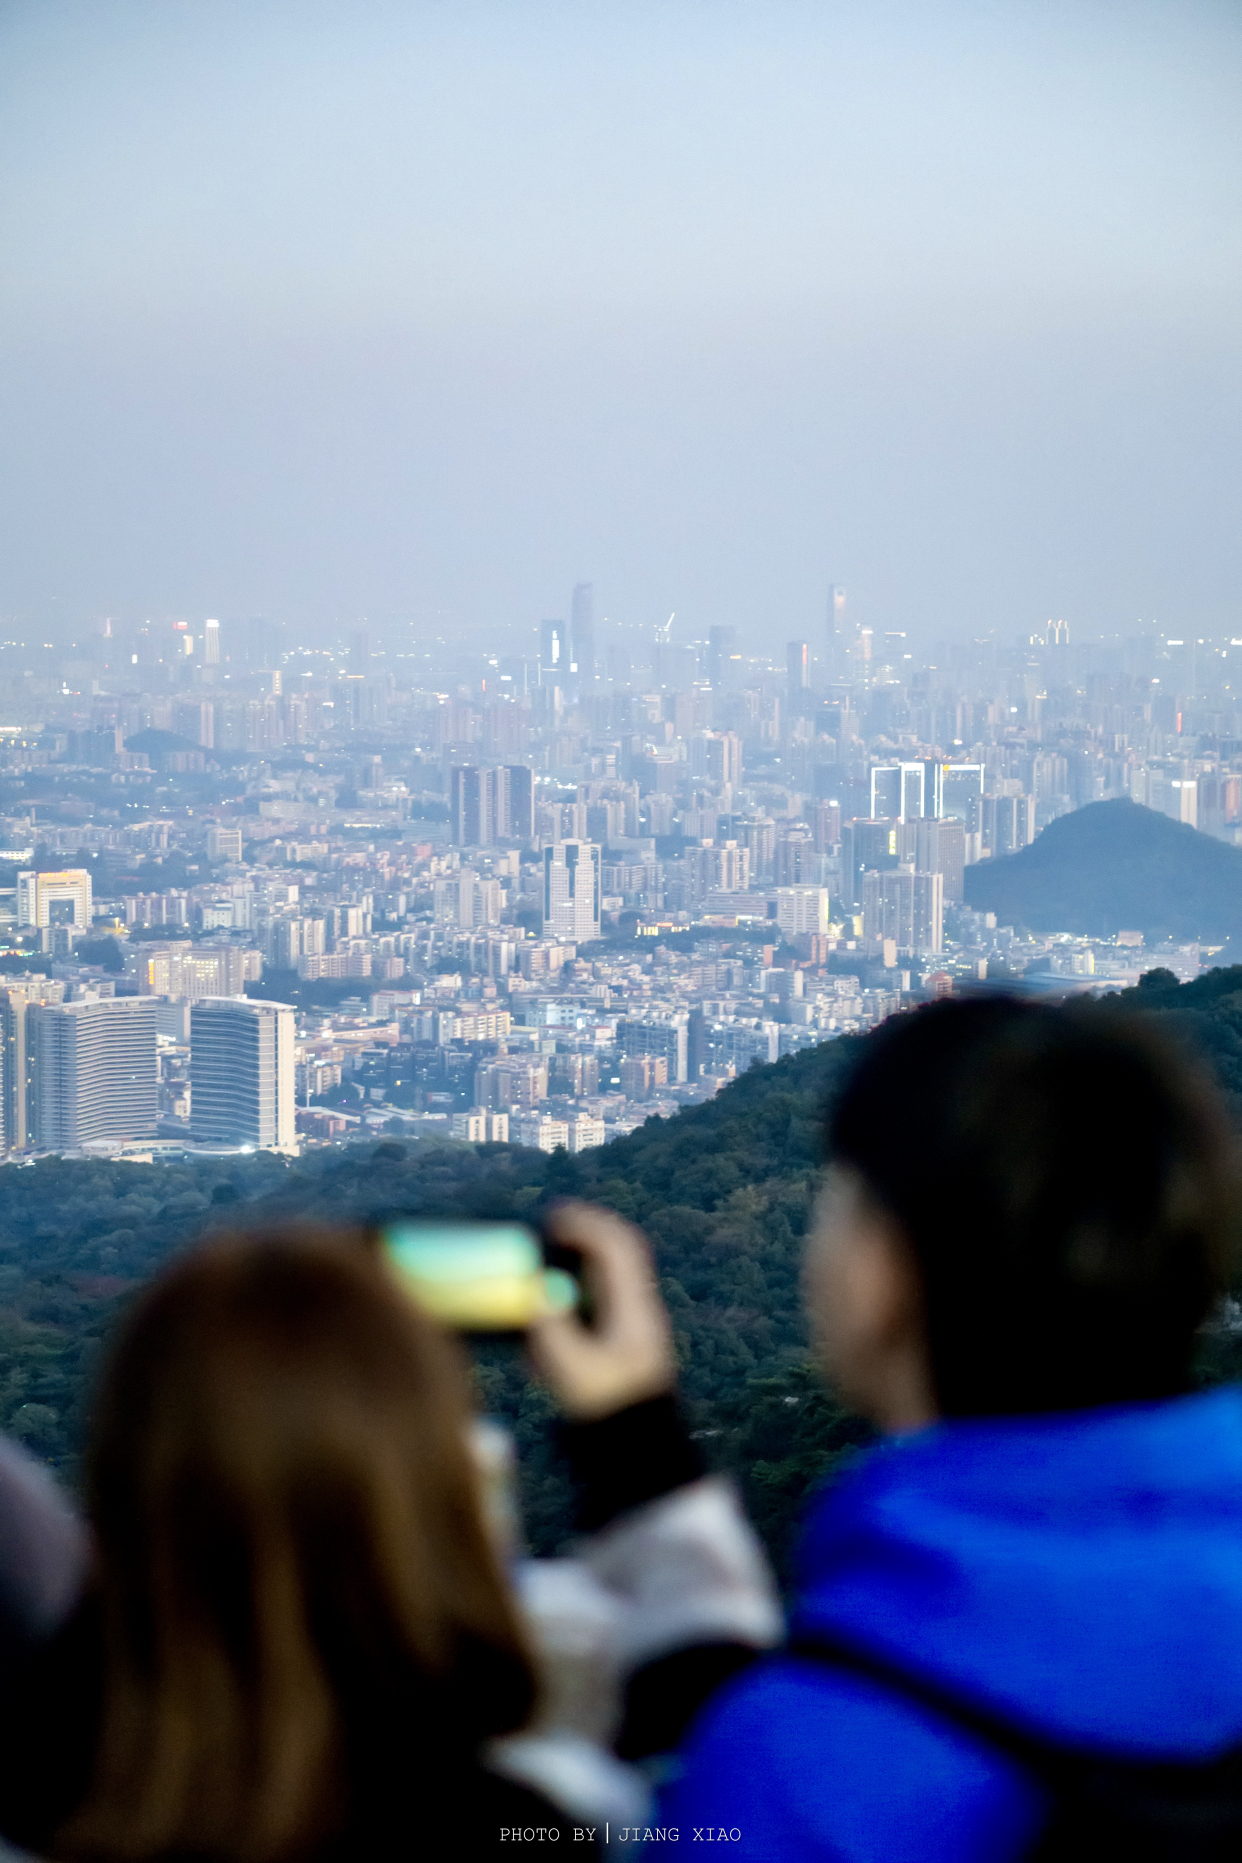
(617, 1255)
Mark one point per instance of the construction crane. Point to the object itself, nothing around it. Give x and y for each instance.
(662, 633)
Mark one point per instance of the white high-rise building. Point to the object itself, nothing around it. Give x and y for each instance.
(801, 909)
(241, 1073)
(211, 643)
(95, 1071)
(571, 890)
(55, 898)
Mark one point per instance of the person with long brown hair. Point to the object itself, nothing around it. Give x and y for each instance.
(299, 1635)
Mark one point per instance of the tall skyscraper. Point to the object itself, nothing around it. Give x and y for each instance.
(472, 807)
(866, 847)
(95, 1072)
(959, 790)
(899, 790)
(571, 890)
(582, 632)
(906, 907)
(553, 653)
(798, 671)
(721, 653)
(487, 806)
(17, 994)
(514, 806)
(241, 1073)
(211, 643)
(55, 898)
(838, 635)
(359, 652)
(936, 847)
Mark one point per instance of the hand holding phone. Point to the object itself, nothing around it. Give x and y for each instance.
(626, 1353)
(478, 1277)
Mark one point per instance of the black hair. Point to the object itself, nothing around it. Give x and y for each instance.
(1066, 1182)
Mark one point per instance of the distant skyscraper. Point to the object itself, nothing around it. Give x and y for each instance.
(211, 643)
(866, 847)
(721, 651)
(571, 890)
(959, 788)
(241, 1073)
(798, 669)
(899, 790)
(582, 632)
(360, 652)
(264, 642)
(553, 653)
(838, 637)
(473, 807)
(514, 806)
(492, 805)
(95, 1072)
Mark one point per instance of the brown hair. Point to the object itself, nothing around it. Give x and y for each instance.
(299, 1596)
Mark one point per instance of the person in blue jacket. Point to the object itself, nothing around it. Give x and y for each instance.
(1026, 1222)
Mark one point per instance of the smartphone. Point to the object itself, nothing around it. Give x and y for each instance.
(478, 1277)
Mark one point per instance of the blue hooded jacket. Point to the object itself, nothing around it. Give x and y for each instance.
(1079, 1575)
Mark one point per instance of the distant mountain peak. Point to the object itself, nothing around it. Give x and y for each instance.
(1116, 866)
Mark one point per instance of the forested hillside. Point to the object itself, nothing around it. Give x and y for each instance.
(724, 1191)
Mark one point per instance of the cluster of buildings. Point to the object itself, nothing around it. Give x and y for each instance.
(263, 894)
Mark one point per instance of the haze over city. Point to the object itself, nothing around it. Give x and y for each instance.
(412, 317)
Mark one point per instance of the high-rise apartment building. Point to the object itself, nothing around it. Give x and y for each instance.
(866, 846)
(571, 890)
(186, 971)
(716, 756)
(801, 909)
(17, 994)
(211, 643)
(487, 806)
(241, 1073)
(665, 1038)
(95, 1071)
(936, 847)
(472, 806)
(1007, 823)
(906, 909)
(513, 805)
(55, 898)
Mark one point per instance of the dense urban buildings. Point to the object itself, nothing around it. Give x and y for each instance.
(262, 894)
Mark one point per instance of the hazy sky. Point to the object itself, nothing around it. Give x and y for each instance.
(428, 311)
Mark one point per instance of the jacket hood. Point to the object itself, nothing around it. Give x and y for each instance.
(1080, 1574)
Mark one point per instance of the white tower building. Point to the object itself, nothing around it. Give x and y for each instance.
(571, 890)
